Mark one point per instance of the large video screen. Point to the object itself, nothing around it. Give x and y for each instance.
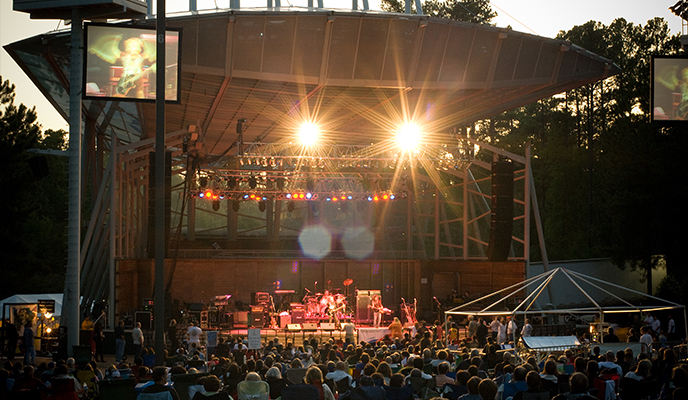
(669, 89)
(120, 63)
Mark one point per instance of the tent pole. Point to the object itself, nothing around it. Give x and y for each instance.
(685, 322)
(601, 330)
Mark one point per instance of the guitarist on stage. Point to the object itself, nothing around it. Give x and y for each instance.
(136, 55)
(378, 308)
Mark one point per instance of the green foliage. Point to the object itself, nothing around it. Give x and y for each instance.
(607, 179)
(33, 238)
(475, 11)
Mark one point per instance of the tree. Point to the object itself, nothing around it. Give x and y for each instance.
(475, 11)
(607, 179)
(33, 234)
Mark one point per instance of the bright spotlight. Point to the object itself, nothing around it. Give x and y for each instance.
(308, 134)
(408, 137)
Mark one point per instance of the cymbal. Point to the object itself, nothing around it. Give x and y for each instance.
(348, 282)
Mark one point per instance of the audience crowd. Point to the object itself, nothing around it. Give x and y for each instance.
(417, 365)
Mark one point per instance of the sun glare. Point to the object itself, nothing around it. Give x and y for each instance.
(308, 134)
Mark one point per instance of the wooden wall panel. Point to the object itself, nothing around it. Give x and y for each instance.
(198, 281)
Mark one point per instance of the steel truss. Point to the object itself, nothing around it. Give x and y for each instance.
(440, 213)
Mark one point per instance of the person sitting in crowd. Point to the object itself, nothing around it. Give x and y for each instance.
(314, 377)
(159, 381)
(534, 391)
(274, 378)
(578, 388)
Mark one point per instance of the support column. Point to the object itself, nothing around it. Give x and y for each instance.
(409, 225)
(437, 224)
(232, 218)
(73, 274)
(191, 219)
(269, 222)
(113, 234)
(278, 215)
(465, 214)
(160, 183)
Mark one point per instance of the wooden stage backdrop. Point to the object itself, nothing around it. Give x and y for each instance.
(199, 280)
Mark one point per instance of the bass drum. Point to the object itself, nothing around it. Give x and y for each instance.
(313, 307)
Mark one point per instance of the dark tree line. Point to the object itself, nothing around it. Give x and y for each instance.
(33, 209)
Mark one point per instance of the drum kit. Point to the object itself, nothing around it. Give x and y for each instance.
(328, 305)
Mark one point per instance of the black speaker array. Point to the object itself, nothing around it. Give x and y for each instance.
(502, 214)
(152, 205)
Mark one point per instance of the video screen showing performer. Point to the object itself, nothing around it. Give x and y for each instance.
(669, 89)
(120, 63)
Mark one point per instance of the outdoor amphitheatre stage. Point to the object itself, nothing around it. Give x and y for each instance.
(445, 220)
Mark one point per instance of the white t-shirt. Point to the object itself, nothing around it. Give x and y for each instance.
(655, 325)
(137, 336)
(671, 326)
(527, 330)
(511, 327)
(194, 333)
(646, 339)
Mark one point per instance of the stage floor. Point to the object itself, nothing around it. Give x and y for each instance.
(297, 337)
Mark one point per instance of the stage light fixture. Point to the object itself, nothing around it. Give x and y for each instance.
(349, 197)
(288, 195)
(375, 198)
(216, 205)
(308, 196)
(246, 196)
(261, 206)
(252, 182)
(308, 134)
(203, 181)
(408, 137)
(328, 199)
(280, 183)
(235, 206)
(222, 197)
(290, 206)
(310, 184)
(201, 195)
(392, 197)
(385, 197)
(369, 198)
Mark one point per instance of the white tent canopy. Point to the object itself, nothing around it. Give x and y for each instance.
(32, 299)
(591, 296)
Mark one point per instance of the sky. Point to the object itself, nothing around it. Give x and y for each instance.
(539, 17)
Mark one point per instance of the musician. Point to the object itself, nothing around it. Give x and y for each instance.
(136, 55)
(325, 302)
(396, 329)
(376, 305)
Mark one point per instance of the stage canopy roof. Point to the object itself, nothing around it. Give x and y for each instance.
(591, 296)
(33, 299)
(359, 75)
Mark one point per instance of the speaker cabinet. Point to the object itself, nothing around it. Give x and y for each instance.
(502, 211)
(298, 316)
(310, 326)
(257, 316)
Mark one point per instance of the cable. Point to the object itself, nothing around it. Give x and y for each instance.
(510, 16)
